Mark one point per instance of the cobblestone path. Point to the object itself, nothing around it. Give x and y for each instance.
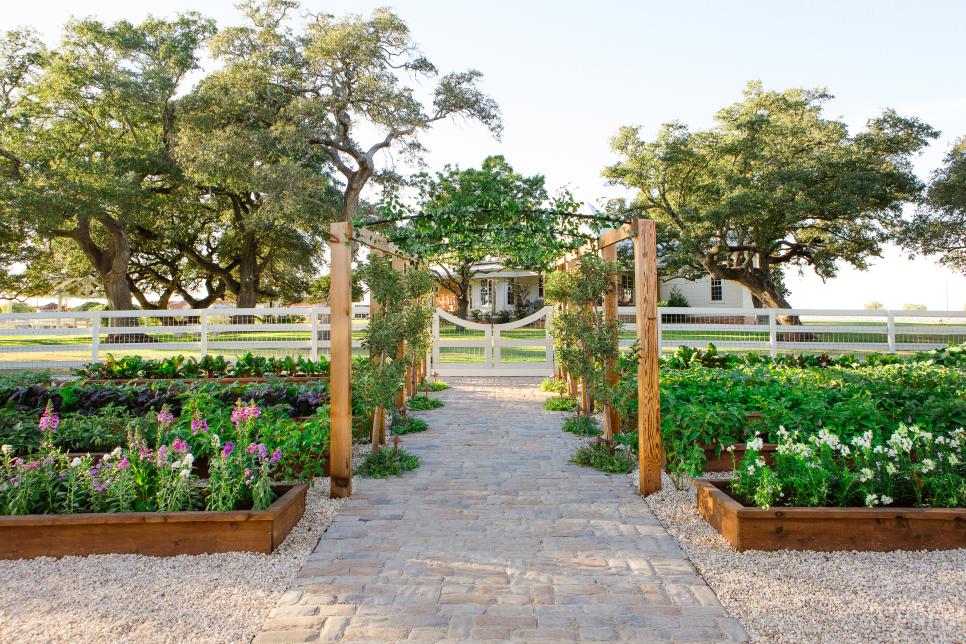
(497, 537)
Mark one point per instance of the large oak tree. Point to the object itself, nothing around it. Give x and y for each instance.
(775, 185)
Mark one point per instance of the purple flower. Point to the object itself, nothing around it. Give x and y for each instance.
(227, 449)
(262, 452)
(198, 424)
(49, 460)
(15, 481)
(165, 417)
(49, 419)
(162, 456)
(242, 413)
(179, 446)
(276, 457)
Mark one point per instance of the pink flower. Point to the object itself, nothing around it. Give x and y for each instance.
(179, 446)
(198, 424)
(165, 417)
(124, 464)
(49, 419)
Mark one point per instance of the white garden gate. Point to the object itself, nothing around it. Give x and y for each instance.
(464, 348)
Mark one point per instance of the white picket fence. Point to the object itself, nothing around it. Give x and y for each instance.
(64, 340)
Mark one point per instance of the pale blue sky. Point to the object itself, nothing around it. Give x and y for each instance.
(567, 75)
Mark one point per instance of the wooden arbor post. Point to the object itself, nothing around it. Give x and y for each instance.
(608, 252)
(340, 368)
(648, 388)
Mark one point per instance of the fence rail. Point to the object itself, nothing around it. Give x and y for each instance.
(64, 340)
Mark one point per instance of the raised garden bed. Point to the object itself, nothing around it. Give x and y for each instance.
(724, 462)
(828, 529)
(159, 534)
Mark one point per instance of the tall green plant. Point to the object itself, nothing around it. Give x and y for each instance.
(584, 341)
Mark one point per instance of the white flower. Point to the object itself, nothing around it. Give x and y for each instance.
(928, 465)
(730, 448)
(185, 473)
(6, 449)
(844, 449)
(867, 474)
(116, 452)
(760, 462)
(754, 444)
(900, 442)
(76, 462)
(878, 449)
(176, 464)
(865, 440)
(953, 459)
(940, 440)
(751, 469)
(891, 468)
(105, 458)
(871, 500)
(887, 500)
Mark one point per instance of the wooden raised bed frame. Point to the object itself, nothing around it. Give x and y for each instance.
(159, 534)
(828, 529)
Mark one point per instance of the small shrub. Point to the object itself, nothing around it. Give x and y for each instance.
(560, 403)
(408, 425)
(389, 461)
(582, 426)
(605, 457)
(424, 403)
(437, 385)
(628, 440)
(553, 385)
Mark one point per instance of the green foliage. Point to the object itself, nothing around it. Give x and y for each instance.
(939, 225)
(553, 385)
(407, 425)
(178, 367)
(676, 298)
(424, 403)
(387, 462)
(437, 385)
(908, 468)
(582, 426)
(560, 403)
(721, 197)
(605, 457)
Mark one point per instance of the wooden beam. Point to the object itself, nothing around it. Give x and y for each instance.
(340, 367)
(608, 252)
(648, 387)
(378, 433)
(399, 265)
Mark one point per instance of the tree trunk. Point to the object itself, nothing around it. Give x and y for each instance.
(763, 291)
(248, 273)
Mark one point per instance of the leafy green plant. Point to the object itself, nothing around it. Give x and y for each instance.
(407, 425)
(605, 457)
(392, 461)
(436, 385)
(424, 403)
(560, 403)
(582, 426)
(553, 385)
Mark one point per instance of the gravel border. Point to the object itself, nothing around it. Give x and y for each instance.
(132, 598)
(798, 596)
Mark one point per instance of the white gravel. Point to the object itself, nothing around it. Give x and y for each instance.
(132, 598)
(796, 596)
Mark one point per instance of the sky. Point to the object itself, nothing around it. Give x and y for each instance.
(567, 75)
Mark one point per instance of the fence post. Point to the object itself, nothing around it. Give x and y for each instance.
(340, 368)
(314, 343)
(891, 330)
(95, 337)
(648, 386)
(204, 333)
(772, 333)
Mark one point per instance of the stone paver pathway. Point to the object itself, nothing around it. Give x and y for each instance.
(497, 537)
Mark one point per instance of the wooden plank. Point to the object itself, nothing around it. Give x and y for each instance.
(340, 367)
(399, 265)
(648, 393)
(608, 252)
(828, 529)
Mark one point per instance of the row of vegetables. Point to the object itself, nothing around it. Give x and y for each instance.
(134, 367)
(849, 432)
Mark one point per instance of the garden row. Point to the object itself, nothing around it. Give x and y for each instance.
(134, 367)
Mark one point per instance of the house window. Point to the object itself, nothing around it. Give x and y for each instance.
(540, 287)
(717, 292)
(626, 295)
(486, 292)
(510, 299)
